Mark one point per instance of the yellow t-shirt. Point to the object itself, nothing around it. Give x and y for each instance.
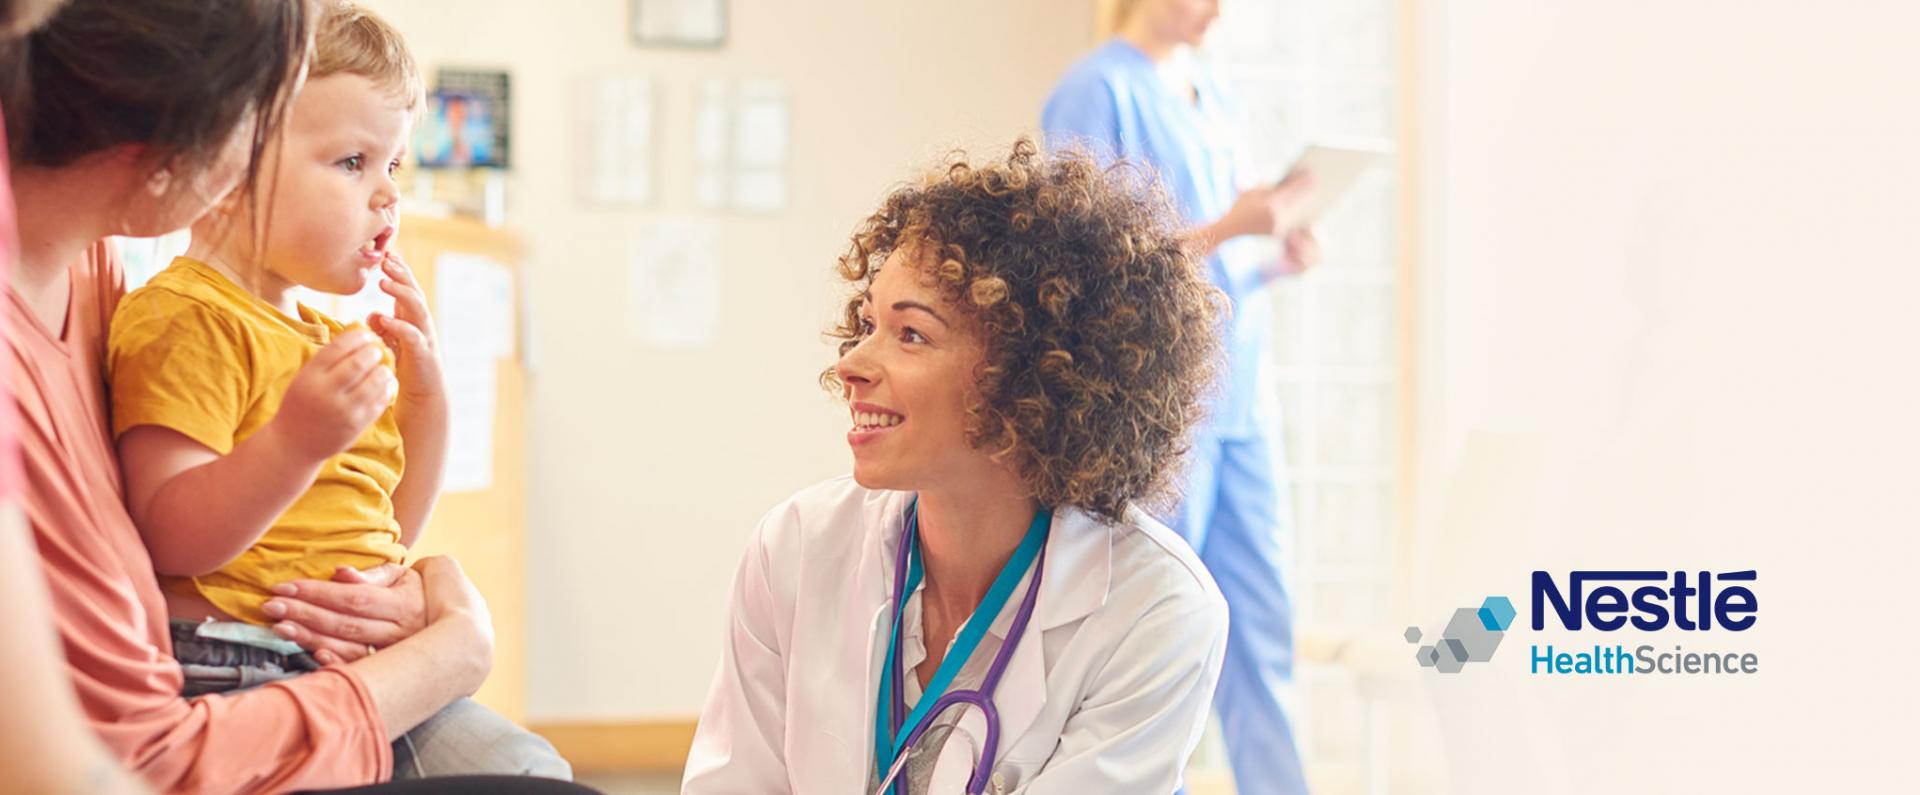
(196, 353)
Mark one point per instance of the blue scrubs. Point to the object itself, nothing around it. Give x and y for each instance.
(1235, 511)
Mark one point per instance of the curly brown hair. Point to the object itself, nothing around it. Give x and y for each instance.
(1100, 328)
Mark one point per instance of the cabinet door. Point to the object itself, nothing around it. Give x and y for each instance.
(485, 529)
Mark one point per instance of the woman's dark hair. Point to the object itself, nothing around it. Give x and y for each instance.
(177, 76)
(1100, 327)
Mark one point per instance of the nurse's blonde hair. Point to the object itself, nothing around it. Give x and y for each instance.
(1110, 15)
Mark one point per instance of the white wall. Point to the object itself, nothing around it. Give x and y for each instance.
(649, 468)
(1669, 321)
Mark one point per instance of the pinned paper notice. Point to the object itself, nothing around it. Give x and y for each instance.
(614, 166)
(674, 282)
(474, 316)
(743, 133)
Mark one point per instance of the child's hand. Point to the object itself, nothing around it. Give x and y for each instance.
(339, 392)
(409, 332)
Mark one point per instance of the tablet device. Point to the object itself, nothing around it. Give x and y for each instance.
(1336, 170)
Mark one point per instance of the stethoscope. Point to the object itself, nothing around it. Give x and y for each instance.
(895, 738)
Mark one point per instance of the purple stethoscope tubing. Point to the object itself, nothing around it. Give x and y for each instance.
(981, 697)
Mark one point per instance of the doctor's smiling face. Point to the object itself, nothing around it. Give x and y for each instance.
(909, 381)
(1035, 321)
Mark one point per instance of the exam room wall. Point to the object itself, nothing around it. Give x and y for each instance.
(649, 468)
(1666, 321)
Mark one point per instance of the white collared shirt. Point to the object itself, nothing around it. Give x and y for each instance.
(1106, 692)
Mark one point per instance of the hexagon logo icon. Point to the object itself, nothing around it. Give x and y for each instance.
(1471, 636)
(1496, 614)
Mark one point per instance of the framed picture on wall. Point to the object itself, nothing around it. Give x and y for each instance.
(679, 23)
(475, 106)
(456, 132)
(467, 121)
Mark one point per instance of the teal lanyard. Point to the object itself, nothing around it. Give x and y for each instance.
(885, 752)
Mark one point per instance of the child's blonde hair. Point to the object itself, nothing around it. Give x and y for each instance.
(353, 40)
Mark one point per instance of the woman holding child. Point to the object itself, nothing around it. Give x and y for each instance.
(137, 119)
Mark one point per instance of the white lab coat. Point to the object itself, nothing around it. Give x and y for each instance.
(1106, 693)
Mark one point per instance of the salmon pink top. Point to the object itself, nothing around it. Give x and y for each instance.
(318, 730)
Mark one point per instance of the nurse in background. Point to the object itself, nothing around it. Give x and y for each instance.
(1143, 97)
(1023, 353)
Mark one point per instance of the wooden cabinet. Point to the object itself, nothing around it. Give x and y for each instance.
(486, 529)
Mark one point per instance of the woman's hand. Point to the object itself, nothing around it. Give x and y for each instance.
(1266, 210)
(342, 620)
(449, 658)
(1302, 251)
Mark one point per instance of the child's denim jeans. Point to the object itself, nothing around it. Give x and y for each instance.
(219, 656)
(465, 738)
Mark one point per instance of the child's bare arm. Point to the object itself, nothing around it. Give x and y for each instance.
(198, 509)
(422, 409)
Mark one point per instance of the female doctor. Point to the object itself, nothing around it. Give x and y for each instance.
(983, 606)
